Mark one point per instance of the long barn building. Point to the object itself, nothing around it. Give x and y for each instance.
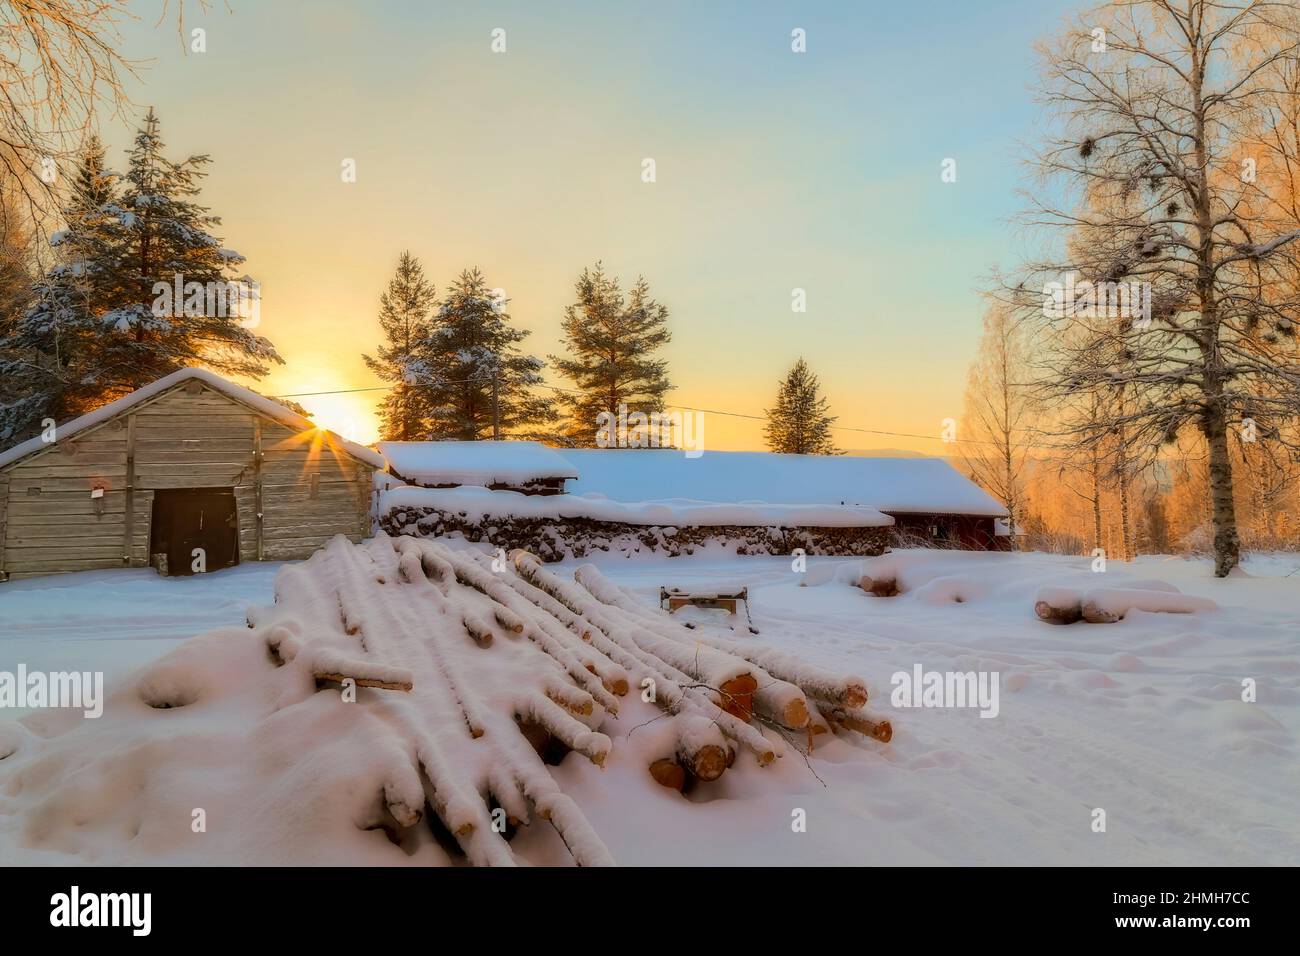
(191, 473)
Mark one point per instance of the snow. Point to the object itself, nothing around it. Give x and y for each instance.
(918, 485)
(1112, 604)
(473, 462)
(259, 403)
(480, 503)
(1143, 718)
(114, 621)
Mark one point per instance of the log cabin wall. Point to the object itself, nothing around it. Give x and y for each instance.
(305, 488)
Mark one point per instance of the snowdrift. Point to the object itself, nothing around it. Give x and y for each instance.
(404, 701)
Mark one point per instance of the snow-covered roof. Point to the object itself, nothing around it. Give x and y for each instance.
(474, 462)
(482, 503)
(893, 485)
(258, 403)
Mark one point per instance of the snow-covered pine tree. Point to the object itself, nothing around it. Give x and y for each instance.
(798, 424)
(612, 340)
(162, 233)
(476, 382)
(404, 318)
(95, 332)
(47, 352)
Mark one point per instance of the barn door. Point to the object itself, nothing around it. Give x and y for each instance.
(194, 528)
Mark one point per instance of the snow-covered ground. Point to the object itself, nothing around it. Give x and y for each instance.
(1142, 718)
(116, 621)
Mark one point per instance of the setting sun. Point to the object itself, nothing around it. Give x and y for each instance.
(350, 415)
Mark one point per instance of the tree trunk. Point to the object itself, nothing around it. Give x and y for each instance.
(1096, 499)
(1227, 546)
(1125, 530)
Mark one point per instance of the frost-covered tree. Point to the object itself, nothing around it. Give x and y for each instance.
(476, 382)
(405, 319)
(96, 329)
(612, 340)
(16, 265)
(46, 350)
(998, 415)
(1154, 102)
(162, 233)
(799, 423)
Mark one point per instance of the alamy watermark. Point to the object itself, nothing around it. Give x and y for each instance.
(129, 910)
(943, 689)
(683, 430)
(235, 299)
(1085, 299)
(35, 689)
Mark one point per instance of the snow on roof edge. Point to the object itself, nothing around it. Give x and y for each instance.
(666, 512)
(511, 461)
(259, 403)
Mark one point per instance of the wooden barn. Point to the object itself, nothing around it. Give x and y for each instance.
(191, 473)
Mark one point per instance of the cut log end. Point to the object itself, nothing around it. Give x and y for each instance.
(709, 761)
(479, 632)
(736, 696)
(1094, 614)
(881, 730)
(795, 714)
(854, 695)
(1054, 614)
(668, 773)
(879, 587)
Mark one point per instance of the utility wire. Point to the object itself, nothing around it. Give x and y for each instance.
(686, 408)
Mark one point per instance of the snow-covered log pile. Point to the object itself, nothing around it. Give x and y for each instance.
(407, 701)
(1061, 605)
(490, 670)
(555, 527)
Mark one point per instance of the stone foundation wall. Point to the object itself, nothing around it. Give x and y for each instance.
(555, 539)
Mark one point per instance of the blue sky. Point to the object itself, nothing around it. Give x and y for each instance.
(775, 170)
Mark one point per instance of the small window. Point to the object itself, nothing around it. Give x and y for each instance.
(315, 487)
(33, 491)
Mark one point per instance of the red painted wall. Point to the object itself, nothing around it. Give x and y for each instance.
(966, 532)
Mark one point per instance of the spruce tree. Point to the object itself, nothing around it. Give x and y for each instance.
(471, 370)
(611, 340)
(799, 424)
(95, 330)
(48, 353)
(404, 318)
(161, 233)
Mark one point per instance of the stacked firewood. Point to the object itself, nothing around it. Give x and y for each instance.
(492, 669)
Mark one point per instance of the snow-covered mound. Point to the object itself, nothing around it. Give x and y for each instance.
(401, 702)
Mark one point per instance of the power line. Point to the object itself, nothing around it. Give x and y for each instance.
(685, 408)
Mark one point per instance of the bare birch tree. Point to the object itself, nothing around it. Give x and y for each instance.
(996, 425)
(60, 64)
(1186, 270)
